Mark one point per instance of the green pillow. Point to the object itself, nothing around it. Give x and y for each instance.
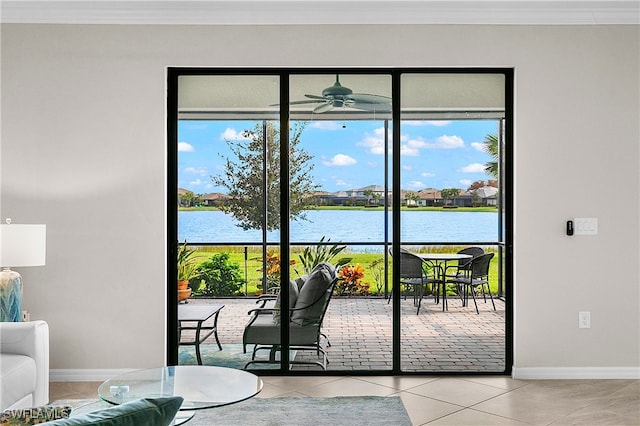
(141, 412)
(33, 416)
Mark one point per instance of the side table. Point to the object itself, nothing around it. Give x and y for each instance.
(198, 314)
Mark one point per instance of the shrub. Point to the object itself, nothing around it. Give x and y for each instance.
(350, 283)
(220, 277)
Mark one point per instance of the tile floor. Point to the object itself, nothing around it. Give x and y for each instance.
(482, 400)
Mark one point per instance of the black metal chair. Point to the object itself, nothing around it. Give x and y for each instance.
(414, 275)
(464, 266)
(477, 278)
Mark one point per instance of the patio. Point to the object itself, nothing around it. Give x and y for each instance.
(360, 330)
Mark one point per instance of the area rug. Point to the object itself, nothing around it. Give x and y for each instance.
(348, 411)
(294, 411)
(230, 356)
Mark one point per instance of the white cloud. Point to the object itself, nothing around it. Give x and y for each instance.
(232, 135)
(372, 164)
(374, 143)
(466, 182)
(427, 174)
(326, 125)
(340, 160)
(196, 171)
(407, 167)
(340, 182)
(447, 142)
(438, 123)
(478, 146)
(185, 147)
(412, 147)
(473, 168)
(416, 184)
(196, 182)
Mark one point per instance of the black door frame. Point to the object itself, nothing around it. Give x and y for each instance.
(507, 172)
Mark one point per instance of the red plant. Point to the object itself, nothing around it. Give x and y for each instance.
(351, 281)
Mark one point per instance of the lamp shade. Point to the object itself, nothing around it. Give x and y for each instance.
(23, 245)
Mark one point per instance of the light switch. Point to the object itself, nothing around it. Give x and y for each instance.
(586, 225)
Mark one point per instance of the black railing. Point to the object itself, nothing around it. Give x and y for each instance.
(383, 251)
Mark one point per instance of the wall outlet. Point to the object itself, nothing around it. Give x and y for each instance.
(584, 319)
(25, 316)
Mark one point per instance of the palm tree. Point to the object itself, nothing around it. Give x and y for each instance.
(491, 147)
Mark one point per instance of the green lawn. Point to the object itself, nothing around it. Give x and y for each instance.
(253, 266)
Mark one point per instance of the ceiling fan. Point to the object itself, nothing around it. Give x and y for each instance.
(338, 96)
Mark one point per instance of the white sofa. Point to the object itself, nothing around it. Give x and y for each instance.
(24, 364)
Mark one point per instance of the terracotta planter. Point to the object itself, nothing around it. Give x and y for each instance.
(184, 292)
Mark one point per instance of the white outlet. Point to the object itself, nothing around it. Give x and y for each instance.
(584, 319)
(25, 316)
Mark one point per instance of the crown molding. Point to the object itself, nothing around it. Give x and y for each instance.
(297, 12)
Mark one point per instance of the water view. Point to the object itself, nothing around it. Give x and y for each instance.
(346, 225)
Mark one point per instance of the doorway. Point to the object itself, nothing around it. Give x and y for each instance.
(378, 161)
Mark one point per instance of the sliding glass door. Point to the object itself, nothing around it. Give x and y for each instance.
(450, 125)
(378, 163)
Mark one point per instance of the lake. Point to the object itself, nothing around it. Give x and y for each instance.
(213, 226)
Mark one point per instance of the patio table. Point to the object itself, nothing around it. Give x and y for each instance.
(442, 261)
(198, 314)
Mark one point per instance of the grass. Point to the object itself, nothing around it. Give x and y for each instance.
(253, 266)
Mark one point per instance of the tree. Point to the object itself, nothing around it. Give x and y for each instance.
(449, 193)
(491, 147)
(186, 198)
(243, 177)
(413, 197)
(476, 185)
(369, 194)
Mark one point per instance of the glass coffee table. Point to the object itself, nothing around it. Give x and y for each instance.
(200, 386)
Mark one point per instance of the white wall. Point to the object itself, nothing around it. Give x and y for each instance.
(84, 151)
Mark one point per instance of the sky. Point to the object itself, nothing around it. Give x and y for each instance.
(350, 155)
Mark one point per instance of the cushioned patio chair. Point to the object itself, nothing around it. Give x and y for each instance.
(307, 307)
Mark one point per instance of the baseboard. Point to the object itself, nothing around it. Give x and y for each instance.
(88, 375)
(540, 373)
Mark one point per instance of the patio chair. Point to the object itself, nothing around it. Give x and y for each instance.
(307, 308)
(478, 278)
(464, 266)
(413, 275)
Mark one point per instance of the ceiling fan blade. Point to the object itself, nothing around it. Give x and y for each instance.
(316, 97)
(367, 106)
(323, 108)
(316, 101)
(370, 99)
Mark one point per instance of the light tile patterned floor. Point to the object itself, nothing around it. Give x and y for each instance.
(486, 400)
(360, 332)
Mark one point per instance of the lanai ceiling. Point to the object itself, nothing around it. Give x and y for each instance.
(424, 96)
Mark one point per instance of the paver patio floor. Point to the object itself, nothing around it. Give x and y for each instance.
(360, 332)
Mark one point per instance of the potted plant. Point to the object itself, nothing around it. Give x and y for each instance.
(187, 270)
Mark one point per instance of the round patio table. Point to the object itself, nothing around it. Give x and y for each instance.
(440, 261)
